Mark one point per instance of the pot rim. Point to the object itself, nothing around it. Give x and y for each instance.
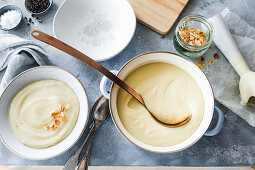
(145, 148)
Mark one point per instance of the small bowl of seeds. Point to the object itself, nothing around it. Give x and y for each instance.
(38, 6)
(193, 36)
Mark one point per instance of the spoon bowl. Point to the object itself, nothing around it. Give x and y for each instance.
(100, 110)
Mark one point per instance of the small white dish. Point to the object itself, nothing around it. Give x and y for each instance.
(100, 29)
(7, 8)
(20, 81)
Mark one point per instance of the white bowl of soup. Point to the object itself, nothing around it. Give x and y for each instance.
(44, 111)
(170, 86)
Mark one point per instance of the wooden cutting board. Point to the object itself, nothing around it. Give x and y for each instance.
(159, 15)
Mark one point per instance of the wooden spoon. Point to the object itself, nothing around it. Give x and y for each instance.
(92, 63)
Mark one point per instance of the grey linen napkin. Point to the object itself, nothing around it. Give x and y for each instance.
(17, 55)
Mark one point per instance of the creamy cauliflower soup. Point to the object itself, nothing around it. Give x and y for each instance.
(170, 93)
(44, 113)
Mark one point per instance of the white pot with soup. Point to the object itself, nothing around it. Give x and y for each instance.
(172, 87)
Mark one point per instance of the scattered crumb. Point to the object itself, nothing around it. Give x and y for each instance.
(202, 59)
(200, 64)
(233, 31)
(162, 36)
(216, 56)
(211, 62)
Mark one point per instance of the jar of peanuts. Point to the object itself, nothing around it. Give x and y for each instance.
(193, 36)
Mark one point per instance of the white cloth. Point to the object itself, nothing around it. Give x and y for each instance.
(17, 55)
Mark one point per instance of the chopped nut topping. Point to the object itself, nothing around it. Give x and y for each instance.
(53, 114)
(58, 117)
(60, 109)
(46, 127)
(193, 36)
(63, 119)
(211, 62)
(57, 122)
(216, 56)
(53, 127)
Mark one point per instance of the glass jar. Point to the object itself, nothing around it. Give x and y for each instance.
(196, 22)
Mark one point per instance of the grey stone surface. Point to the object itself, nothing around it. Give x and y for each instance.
(233, 146)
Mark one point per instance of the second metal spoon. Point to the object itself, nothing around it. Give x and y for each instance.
(100, 114)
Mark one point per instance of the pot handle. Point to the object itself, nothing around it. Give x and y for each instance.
(103, 84)
(219, 124)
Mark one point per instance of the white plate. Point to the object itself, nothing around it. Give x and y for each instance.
(23, 79)
(100, 29)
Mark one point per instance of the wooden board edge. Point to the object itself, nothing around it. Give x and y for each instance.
(162, 32)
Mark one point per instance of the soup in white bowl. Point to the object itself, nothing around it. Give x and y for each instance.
(43, 113)
(66, 141)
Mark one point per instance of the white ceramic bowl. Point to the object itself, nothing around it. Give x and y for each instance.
(23, 79)
(98, 28)
(191, 69)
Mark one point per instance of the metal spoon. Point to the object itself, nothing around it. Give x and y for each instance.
(92, 63)
(100, 113)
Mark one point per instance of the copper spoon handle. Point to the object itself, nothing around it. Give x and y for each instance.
(92, 63)
(85, 59)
